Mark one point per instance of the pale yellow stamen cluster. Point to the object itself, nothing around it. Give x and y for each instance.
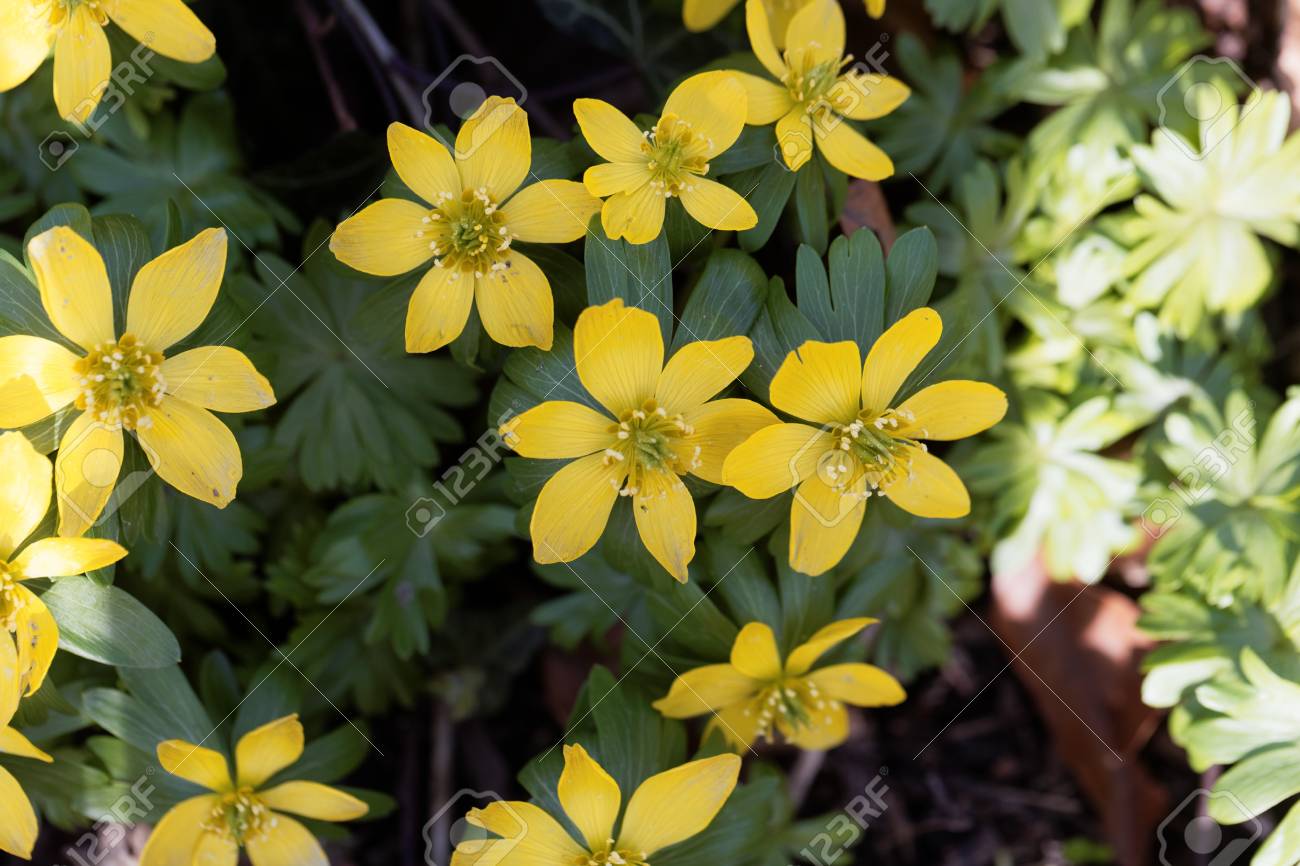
(676, 155)
(120, 381)
(650, 440)
(811, 83)
(57, 12)
(468, 234)
(12, 598)
(870, 446)
(612, 856)
(793, 704)
(240, 816)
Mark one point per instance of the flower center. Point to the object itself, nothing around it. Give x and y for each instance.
(13, 598)
(119, 382)
(650, 440)
(57, 12)
(869, 446)
(794, 704)
(811, 81)
(468, 234)
(240, 816)
(676, 153)
(611, 855)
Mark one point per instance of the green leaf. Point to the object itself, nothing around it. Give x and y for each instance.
(1256, 784)
(106, 625)
(640, 274)
(725, 300)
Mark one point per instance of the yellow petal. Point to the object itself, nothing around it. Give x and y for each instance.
(706, 689)
(665, 520)
(218, 378)
(385, 239)
(952, 410)
(619, 354)
(817, 29)
(850, 151)
(699, 370)
(73, 283)
(214, 849)
(896, 354)
(192, 451)
(931, 489)
(609, 132)
(18, 827)
(165, 26)
(875, 8)
(529, 835)
(717, 206)
(12, 742)
(820, 382)
(62, 557)
(287, 843)
(493, 148)
(590, 796)
(423, 163)
(806, 654)
(85, 472)
(824, 521)
(867, 95)
(12, 682)
(550, 212)
(439, 309)
(515, 304)
(313, 800)
(37, 636)
(559, 429)
(760, 38)
(754, 653)
(701, 15)
(714, 104)
(172, 294)
(197, 764)
(794, 136)
(609, 178)
(775, 458)
(858, 684)
(829, 728)
(573, 508)
(24, 490)
(265, 751)
(636, 216)
(677, 804)
(37, 378)
(767, 100)
(720, 426)
(25, 39)
(175, 837)
(82, 66)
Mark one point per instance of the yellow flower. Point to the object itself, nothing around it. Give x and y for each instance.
(17, 819)
(702, 118)
(700, 15)
(667, 808)
(124, 381)
(661, 425)
(83, 66)
(24, 499)
(756, 692)
(209, 830)
(865, 444)
(813, 100)
(471, 217)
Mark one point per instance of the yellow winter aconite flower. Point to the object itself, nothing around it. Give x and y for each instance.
(473, 211)
(662, 424)
(702, 118)
(667, 808)
(24, 498)
(814, 98)
(865, 444)
(18, 826)
(699, 15)
(210, 829)
(123, 381)
(83, 65)
(756, 694)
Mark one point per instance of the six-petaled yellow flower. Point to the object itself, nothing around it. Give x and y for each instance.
(865, 443)
(121, 380)
(662, 423)
(210, 829)
(24, 498)
(667, 808)
(467, 224)
(703, 117)
(18, 826)
(83, 65)
(814, 99)
(756, 694)
(700, 15)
